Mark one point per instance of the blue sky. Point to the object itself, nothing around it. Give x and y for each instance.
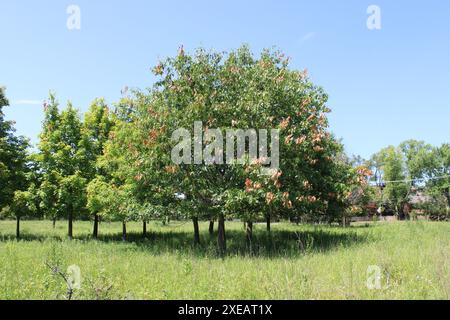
(385, 85)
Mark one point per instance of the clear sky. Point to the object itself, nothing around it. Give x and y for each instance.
(385, 85)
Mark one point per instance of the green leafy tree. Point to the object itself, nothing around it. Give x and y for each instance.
(98, 198)
(13, 158)
(23, 205)
(132, 163)
(231, 91)
(63, 161)
(72, 197)
(95, 132)
(394, 170)
(122, 206)
(34, 181)
(418, 157)
(440, 173)
(412, 166)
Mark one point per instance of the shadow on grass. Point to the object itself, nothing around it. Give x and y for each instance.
(30, 237)
(277, 243)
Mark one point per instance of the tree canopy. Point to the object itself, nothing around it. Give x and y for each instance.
(229, 91)
(13, 157)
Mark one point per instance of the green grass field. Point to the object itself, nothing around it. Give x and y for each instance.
(294, 262)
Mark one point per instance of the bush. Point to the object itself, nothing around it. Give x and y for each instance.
(436, 208)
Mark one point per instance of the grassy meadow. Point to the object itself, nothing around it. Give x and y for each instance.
(292, 262)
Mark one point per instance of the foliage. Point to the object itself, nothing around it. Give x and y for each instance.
(441, 171)
(391, 163)
(13, 157)
(68, 152)
(230, 91)
(23, 204)
(64, 162)
(436, 208)
(95, 131)
(413, 165)
(98, 196)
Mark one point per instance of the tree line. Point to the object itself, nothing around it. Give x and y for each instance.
(114, 163)
(401, 171)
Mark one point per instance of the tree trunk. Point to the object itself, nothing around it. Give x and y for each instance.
(249, 232)
(70, 231)
(221, 238)
(54, 222)
(95, 232)
(268, 222)
(196, 231)
(18, 227)
(344, 221)
(399, 210)
(211, 227)
(144, 229)
(124, 231)
(447, 196)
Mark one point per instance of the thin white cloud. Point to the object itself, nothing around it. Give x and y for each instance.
(28, 102)
(307, 37)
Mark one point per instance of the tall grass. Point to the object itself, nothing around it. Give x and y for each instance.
(292, 262)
